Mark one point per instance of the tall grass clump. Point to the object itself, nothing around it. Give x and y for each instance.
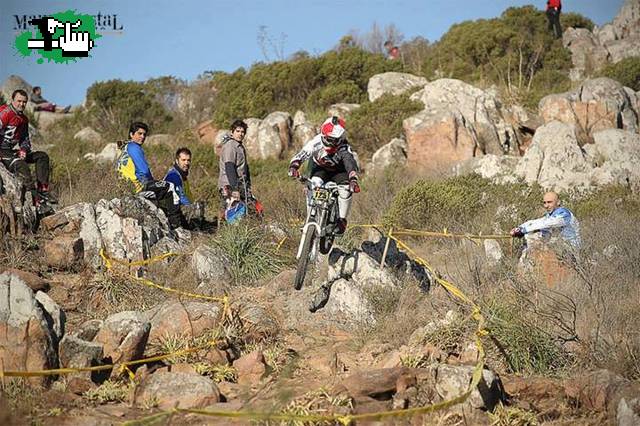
(248, 252)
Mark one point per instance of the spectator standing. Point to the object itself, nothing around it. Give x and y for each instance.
(553, 16)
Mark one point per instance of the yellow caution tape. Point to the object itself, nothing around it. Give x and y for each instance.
(122, 366)
(350, 418)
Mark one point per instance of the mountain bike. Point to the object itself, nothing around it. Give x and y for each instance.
(319, 230)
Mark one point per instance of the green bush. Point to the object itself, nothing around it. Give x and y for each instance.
(575, 20)
(627, 72)
(509, 51)
(302, 83)
(463, 204)
(376, 123)
(114, 104)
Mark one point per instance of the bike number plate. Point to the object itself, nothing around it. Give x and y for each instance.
(320, 195)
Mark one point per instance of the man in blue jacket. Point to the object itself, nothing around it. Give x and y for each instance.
(178, 175)
(132, 166)
(557, 221)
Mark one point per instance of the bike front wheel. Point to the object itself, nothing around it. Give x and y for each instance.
(305, 257)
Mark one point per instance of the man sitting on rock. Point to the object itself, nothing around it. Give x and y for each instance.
(41, 104)
(557, 221)
(178, 175)
(132, 166)
(14, 130)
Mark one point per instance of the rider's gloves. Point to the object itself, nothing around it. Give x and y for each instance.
(293, 169)
(353, 185)
(22, 154)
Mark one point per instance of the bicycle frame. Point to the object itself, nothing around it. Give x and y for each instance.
(318, 213)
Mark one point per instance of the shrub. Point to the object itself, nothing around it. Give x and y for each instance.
(526, 347)
(114, 104)
(627, 72)
(459, 203)
(575, 20)
(302, 83)
(510, 51)
(376, 123)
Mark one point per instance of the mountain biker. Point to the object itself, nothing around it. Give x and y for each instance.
(331, 159)
(132, 166)
(14, 130)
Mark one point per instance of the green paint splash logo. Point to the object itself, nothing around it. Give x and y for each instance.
(60, 38)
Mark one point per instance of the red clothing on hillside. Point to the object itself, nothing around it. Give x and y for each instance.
(14, 129)
(554, 4)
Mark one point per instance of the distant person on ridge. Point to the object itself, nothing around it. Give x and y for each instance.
(41, 104)
(393, 52)
(14, 130)
(553, 16)
(132, 166)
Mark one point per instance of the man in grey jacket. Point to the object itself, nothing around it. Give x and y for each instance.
(234, 166)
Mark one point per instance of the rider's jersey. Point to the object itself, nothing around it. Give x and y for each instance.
(342, 160)
(14, 129)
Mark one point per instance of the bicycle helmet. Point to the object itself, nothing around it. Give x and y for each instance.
(333, 132)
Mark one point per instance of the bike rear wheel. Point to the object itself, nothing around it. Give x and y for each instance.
(305, 256)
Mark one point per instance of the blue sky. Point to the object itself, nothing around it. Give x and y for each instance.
(185, 38)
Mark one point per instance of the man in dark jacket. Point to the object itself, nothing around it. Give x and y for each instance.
(553, 16)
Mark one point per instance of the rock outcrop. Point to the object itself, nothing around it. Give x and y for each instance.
(28, 334)
(459, 122)
(125, 228)
(390, 155)
(393, 83)
(611, 43)
(600, 103)
(555, 160)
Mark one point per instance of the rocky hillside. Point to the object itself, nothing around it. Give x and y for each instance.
(108, 316)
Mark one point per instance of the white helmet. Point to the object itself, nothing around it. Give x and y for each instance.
(333, 132)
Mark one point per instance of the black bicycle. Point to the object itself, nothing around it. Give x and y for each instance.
(319, 230)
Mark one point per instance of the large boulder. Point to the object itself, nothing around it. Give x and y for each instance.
(459, 122)
(206, 132)
(393, 83)
(28, 340)
(353, 277)
(189, 319)
(14, 82)
(303, 133)
(81, 218)
(390, 155)
(342, 110)
(600, 103)
(160, 139)
(274, 136)
(16, 203)
(183, 390)
(87, 134)
(441, 381)
(124, 336)
(616, 157)
(209, 263)
(124, 224)
(555, 160)
(109, 154)
(587, 54)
